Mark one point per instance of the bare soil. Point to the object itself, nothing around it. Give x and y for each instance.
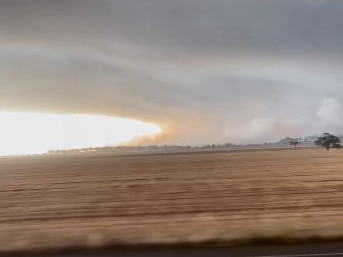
(98, 199)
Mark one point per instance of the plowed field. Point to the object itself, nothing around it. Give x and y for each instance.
(95, 199)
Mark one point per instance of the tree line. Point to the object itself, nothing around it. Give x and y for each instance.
(329, 141)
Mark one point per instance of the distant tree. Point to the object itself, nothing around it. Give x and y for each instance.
(328, 141)
(289, 141)
(294, 143)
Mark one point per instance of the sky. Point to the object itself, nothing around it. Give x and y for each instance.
(205, 71)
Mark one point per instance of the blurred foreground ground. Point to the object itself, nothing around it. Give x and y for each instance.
(98, 199)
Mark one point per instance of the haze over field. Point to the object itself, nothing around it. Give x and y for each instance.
(37, 133)
(205, 71)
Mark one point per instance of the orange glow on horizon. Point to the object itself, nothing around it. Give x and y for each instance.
(34, 133)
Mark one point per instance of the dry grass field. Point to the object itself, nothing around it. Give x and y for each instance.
(95, 199)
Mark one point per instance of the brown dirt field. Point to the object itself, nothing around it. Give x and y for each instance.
(73, 200)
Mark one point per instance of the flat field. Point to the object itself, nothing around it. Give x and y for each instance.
(95, 199)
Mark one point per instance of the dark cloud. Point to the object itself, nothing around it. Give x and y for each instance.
(214, 70)
(291, 26)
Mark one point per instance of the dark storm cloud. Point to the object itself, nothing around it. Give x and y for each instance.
(265, 25)
(213, 70)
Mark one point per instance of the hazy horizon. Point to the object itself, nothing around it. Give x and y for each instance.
(204, 71)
